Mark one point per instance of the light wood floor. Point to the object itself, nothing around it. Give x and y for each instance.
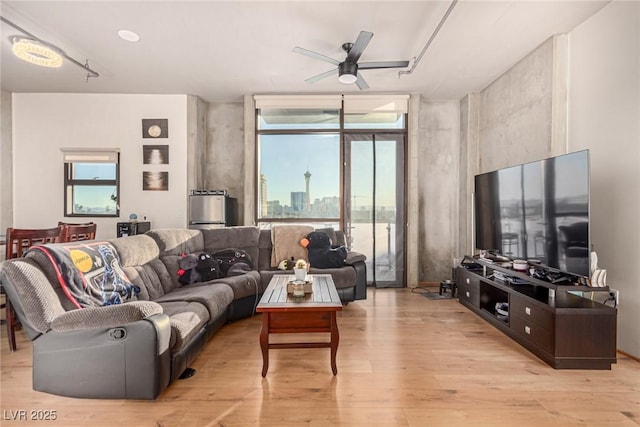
(403, 360)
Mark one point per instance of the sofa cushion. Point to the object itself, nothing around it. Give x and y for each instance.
(343, 277)
(135, 250)
(245, 238)
(286, 242)
(153, 279)
(264, 251)
(177, 241)
(329, 231)
(187, 319)
(245, 285)
(216, 297)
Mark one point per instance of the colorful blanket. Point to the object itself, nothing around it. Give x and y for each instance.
(89, 273)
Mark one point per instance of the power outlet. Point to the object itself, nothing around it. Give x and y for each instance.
(615, 294)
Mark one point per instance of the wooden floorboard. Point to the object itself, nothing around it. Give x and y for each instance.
(403, 360)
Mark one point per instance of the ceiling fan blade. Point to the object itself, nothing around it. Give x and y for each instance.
(321, 76)
(359, 46)
(315, 55)
(360, 81)
(382, 64)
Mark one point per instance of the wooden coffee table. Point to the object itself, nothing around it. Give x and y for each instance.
(284, 314)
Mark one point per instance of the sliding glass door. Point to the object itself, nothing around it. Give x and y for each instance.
(374, 198)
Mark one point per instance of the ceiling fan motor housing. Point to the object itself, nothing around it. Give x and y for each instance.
(347, 68)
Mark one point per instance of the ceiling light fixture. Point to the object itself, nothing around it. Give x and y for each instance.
(347, 78)
(347, 72)
(35, 52)
(128, 35)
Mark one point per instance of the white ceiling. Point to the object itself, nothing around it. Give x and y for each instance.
(222, 50)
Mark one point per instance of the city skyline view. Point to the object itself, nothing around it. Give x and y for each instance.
(285, 159)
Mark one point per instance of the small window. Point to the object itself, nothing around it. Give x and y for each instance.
(91, 183)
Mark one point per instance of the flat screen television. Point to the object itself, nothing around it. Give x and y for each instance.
(537, 211)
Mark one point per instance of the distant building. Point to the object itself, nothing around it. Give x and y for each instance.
(298, 200)
(307, 178)
(263, 196)
(274, 209)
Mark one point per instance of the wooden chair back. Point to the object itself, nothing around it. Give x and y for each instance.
(21, 239)
(77, 232)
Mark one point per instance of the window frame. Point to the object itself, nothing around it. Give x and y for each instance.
(70, 183)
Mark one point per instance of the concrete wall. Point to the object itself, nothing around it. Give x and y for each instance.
(516, 112)
(45, 123)
(412, 265)
(250, 191)
(6, 153)
(224, 151)
(604, 116)
(196, 141)
(438, 188)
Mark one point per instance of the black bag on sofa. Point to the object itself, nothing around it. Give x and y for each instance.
(230, 261)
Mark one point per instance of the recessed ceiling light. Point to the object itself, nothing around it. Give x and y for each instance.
(128, 35)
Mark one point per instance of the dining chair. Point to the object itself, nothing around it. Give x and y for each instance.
(77, 232)
(18, 241)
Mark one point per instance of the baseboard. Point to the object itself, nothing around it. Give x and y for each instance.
(428, 284)
(630, 356)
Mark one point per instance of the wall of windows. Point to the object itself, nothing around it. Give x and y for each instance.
(342, 166)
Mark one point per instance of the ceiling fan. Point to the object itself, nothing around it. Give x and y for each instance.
(348, 69)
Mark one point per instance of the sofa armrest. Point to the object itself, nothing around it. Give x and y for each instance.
(361, 280)
(105, 317)
(130, 361)
(354, 257)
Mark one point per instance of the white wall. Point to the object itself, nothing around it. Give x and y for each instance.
(6, 207)
(45, 123)
(604, 116)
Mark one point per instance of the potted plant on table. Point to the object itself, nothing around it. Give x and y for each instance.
(300, 269)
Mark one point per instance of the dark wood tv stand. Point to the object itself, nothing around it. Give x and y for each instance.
(564, 330)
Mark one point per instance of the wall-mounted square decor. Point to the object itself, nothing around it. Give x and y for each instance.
(155, 154)
(155, 181)
(155, 128)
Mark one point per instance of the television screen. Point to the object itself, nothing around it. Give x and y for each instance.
(538, 210)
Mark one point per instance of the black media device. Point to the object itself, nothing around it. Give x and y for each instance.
(537, 211)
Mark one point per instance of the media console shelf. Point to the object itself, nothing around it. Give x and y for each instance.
(564, 330)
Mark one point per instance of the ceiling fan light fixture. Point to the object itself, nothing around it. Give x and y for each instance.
(347, 72)
(347, 78)
(36, 52)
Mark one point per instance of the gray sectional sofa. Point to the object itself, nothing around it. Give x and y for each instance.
(136, 349)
